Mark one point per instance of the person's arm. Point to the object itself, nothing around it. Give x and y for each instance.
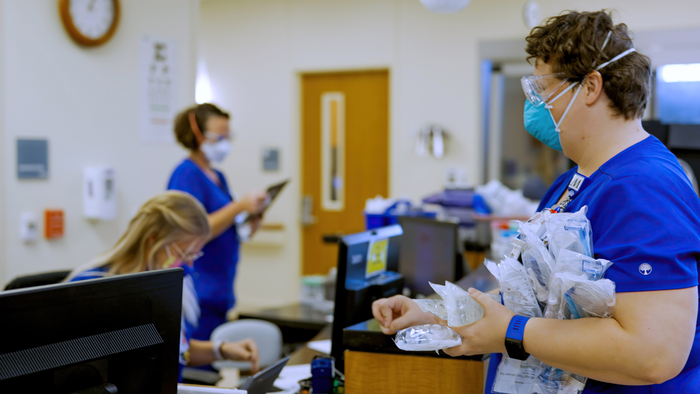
(201, 352)
(647, 342)
(224, 217)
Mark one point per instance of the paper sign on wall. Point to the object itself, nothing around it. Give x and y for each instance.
(158, 88)
(377, 257)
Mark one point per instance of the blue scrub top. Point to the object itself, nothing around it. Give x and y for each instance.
(186, 328)
(215, 271)
(642, 209)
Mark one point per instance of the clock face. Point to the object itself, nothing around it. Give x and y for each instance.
(532, 14)
(92, 18)
(90, 22)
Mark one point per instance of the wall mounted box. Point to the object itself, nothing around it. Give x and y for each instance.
(99, 193)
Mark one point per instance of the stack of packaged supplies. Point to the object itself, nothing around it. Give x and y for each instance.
(550, 273)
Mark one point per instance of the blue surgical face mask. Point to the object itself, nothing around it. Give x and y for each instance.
(539, 121)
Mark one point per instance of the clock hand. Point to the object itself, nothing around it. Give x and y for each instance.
(91, 5)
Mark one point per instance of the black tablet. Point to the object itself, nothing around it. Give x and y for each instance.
(263, 381)
(272, 193)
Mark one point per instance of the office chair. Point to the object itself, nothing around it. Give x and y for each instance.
(45, 278)
(266, 335)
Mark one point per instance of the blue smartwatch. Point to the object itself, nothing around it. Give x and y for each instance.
(514, 338)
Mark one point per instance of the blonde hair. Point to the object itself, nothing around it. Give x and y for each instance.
(166, 218)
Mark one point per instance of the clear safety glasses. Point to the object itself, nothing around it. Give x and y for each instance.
(185, 257)
(538, 88)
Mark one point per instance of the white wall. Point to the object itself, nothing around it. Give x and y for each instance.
(86, 103)
(255, 51)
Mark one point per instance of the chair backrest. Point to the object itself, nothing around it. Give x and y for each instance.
(266, 335)
(45, 278)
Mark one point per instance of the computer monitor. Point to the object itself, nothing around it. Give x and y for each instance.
(428, 253)
(367, 271)
(119, 332)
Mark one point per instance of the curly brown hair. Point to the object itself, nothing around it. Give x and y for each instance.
(202, 112)
(571, 43)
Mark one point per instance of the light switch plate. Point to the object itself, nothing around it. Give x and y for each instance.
(29, 227)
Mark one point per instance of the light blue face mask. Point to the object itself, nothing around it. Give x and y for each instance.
(539, 121)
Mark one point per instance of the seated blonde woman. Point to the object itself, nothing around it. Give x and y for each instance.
(169, 230)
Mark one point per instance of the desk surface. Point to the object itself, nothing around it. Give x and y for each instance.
(303, 354)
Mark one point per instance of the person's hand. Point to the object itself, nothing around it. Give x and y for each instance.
(254, 202)
(245, 350)
(399, 312)
(487, 335)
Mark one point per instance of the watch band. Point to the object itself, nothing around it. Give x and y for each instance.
(514, 338)
(216, 350)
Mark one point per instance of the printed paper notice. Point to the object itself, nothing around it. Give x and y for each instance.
(376, 258)
(158, 89)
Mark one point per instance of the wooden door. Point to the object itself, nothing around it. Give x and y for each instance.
(345, 157)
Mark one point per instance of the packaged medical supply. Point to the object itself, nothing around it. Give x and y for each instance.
(580, 297)
(427, 337)
(461, 308)
(517, 287)
(439, 290)
(516, 376)
(537, 260)
(580, 264)
(571, 231)
(436, 307)
(556, 381)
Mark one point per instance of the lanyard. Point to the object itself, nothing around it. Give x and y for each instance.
(578, 183)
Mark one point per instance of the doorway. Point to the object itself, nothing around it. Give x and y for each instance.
(345, 157)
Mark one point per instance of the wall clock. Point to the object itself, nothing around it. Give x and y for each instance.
(532, 14)
(89, 22)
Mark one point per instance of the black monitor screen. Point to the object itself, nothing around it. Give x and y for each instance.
(120, 331)
(428, 253)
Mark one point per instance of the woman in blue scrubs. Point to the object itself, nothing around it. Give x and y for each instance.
(204, 131)
(169, 230)
(587, 97)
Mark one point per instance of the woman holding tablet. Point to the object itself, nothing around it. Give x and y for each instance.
(204, 131)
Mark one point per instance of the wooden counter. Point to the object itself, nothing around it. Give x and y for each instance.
(369, 373)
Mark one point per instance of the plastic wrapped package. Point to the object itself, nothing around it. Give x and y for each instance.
(570, 231)
(556, 381)
(537, 260)
(436, 307)
(461, 308)
(584, 273)
(577, 263)
(579, 297)
(427, 337)
(517, 287)
(515, 376)
(439, 290)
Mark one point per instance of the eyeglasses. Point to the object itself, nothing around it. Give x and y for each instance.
(216, 137)
(186, 257)
(537, 87)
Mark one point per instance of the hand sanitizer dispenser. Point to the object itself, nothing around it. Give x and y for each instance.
(99, 193)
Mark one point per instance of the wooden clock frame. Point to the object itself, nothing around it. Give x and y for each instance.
(74, 33)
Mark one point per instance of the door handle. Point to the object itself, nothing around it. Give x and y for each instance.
(307, 206)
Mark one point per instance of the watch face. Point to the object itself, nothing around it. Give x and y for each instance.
(92, 18)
